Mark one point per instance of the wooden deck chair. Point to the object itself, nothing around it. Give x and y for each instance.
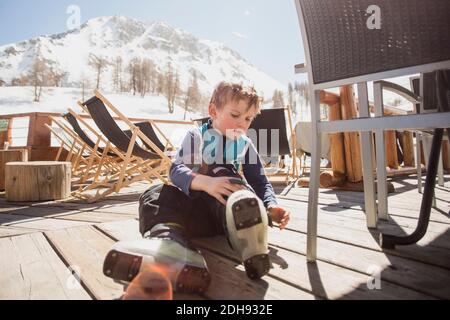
(84, 159)
(117, 156)
(269, 135)
(148, 129)
(138, 164)
(68, 142)
(101, 161)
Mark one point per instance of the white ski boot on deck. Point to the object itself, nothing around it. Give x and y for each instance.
(246, 221)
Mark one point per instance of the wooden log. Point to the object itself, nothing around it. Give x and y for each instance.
(408, 148)
(391, 149)
(337, 150)
(10, 156)
(37, 181)
(331, 179)
(446, 154)
(352, 144)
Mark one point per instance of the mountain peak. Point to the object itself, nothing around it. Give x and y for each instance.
(118, 36)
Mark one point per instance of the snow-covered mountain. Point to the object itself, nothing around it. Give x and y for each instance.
(117, 36)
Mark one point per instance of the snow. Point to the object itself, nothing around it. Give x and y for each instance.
(14, 100)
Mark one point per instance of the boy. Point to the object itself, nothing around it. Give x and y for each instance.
(209, 197)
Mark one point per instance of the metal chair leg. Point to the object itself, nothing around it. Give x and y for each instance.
(389, 241)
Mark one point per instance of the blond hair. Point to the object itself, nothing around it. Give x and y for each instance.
(227, 92)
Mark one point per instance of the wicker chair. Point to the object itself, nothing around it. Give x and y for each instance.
(356, 41)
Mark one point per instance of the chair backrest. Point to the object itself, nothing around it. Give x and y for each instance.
(82, 134)
(425, 87)
(266, 124)
(147, 129)
(415, 87)
(107, 125)
(202, 121)
(373, 38)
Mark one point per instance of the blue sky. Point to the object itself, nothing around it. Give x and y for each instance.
(265, 32)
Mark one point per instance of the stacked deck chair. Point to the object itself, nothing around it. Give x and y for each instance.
(138, 163)
(81, 154)
(68, 142)
(85, 159)
(101, 160)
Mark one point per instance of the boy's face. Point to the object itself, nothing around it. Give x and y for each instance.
(233, 120)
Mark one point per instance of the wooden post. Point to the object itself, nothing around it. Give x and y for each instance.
(38, 134)
(10, 156)
(408, 149)
(37, 181)
(337, 151)
(391, 149)
(446, 154)
(351, 139)
(5, 133)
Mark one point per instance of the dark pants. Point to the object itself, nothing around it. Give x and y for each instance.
(201, 215)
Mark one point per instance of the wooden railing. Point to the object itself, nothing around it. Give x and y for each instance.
(39, 136)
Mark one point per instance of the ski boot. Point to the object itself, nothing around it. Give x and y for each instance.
(165, 249)
(246, 223)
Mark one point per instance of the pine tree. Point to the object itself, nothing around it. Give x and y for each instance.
(99, 64)
(38, 77)
(278, 100)
(170, 89)
(117, 74)
(192, 97)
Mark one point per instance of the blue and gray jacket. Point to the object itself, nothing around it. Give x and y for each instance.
(205, 145)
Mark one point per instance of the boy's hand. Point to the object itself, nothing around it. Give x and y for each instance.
(279, 215)
(217, 187)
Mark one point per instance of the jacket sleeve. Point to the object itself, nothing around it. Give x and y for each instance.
(255, 176)
(187, 162)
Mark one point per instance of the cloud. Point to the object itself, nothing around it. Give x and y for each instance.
(239, 35)
(247, 12)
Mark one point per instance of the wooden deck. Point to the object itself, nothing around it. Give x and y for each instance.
(46, 247)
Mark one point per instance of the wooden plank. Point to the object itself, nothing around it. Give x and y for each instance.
(355, 219)
(69, 214)
(422, 251)
(406, 189)
(94, 216)
(85, 248)
(18, 221)
(408, 206)
(418, 276)
(228, 277)
(345, 202)
(34, 271)
(4, 209)
(126, 209)
(323, 279)
(6, 232)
